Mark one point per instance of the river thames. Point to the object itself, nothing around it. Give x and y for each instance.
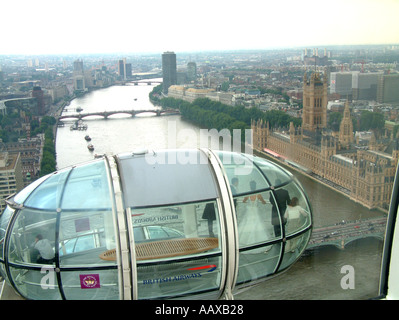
(314, 276)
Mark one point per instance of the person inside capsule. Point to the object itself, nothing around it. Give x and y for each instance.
(43, 250)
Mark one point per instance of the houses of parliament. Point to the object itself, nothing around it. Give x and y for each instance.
(364, 172)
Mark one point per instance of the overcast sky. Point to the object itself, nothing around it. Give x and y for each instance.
(127, 26)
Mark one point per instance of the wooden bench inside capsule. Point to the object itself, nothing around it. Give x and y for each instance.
(167, 248)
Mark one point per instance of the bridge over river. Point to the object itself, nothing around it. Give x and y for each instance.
(344, 233)
(107, 114)
(148, 82)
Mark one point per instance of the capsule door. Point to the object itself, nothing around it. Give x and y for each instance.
(176, 225)
(178, 250)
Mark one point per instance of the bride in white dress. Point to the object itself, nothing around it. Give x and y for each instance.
(295, 216)
(252, 228)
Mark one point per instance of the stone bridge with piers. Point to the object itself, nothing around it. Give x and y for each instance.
(106, 114)
(148, 82)
(343, 233)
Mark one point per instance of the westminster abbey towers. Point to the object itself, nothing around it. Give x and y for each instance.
(364, 173)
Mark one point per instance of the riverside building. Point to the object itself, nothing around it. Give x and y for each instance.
(364, 173)
(11, 180)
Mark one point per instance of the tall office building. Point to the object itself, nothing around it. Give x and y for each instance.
(78, 67)
(364, 85)
(37, 93)
(169, 70)
(387, 89)
(79, 83)
(341, 83)
(122, 69)
(354, 85)
(128, 70)
(191, 71)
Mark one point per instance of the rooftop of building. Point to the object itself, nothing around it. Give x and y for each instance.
(8, 161)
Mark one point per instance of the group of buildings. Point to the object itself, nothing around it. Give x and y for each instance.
(95, 78)
(237, 82)
(361, 165)
(363, 170)
(33, 92)
(187, 86)
(20, 160)
(19, 165)
(357, 85)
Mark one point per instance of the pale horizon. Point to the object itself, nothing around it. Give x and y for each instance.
(96, 27)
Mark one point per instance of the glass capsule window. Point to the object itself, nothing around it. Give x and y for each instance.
(167, 224)
(5, 217)
(273, 215)
(61, 225)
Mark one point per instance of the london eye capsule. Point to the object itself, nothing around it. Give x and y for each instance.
(169, 224)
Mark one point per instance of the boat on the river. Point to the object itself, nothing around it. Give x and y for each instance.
(78, 125)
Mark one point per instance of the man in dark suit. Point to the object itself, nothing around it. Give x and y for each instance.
(282, 198)
(233, 187)
(210, 215)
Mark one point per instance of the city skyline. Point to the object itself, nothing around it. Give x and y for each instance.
(88, 27)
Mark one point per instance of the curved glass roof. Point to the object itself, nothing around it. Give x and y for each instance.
(159, 178)
(165, 177)
(79, 187)
(248, 168)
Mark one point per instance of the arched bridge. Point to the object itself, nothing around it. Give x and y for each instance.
(148, 82)
(343, 233)
(106, 114)
(137, 82)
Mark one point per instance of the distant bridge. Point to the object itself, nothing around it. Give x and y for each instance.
(106, 114)
(137, 82)
(148, 82)
(343, 233)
